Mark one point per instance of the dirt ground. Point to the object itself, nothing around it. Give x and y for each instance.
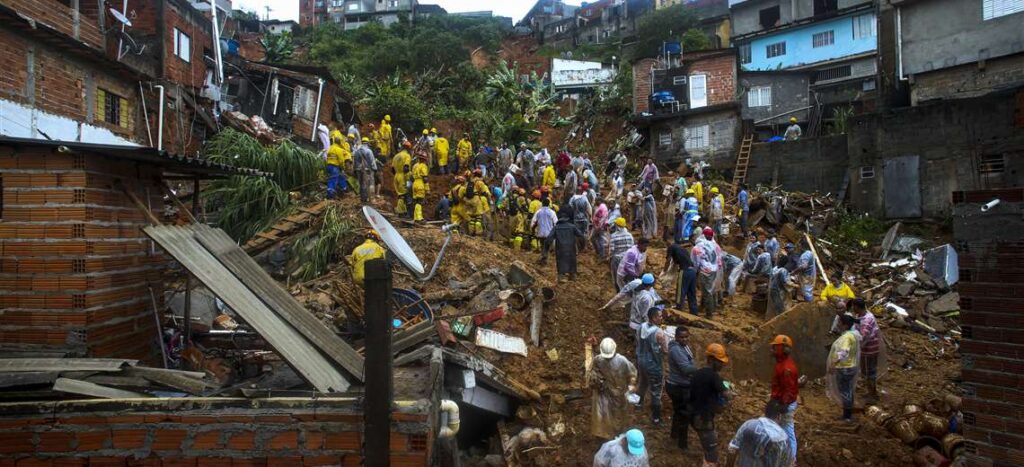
(573, 317)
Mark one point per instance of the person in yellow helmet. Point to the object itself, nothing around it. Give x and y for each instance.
(549, 177)
(385, 137)
(793, 132)
(401, 165)
(336, 181)
(366, 251)
(420, 187)
(716, 210)
(458, 204)
(698, 192)
(441, 149)
(483, 204)
(464, 152)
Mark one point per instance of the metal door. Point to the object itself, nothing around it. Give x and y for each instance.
(902, 187)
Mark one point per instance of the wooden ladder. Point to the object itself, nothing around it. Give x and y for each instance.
(742, 160)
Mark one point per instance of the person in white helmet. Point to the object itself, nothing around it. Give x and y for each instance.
(612, 377)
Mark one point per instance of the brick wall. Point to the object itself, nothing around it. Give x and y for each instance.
(642, 84)
(249, 46)
(75, 268)
(198, 432)
(968, 80)
(58, 16)
(721, 77)
(991, 289)
(191, 73)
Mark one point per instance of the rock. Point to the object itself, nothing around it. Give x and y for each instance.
(847, 454)
(938, 324)
(494, 460)
(905, 289)
(944, 304)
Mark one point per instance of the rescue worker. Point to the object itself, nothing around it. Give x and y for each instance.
(644, 298)
(483, 205)
(793, 132)
(549, 177)
(517, 219)
(385, 136)
(365, 166)
(581, 211)
(369, 249)
(807, 269)
(698, 194)
(707, 258)
(743, 200)
(464, 153)
(761, 441)
(836, 290)
(785, 387)
(420, 187)
(842, 365)
(458, 205)
(625, 451)
(619, 242)
(681, 367)
(565, 234)
(401, 165)
(611, 377)
(777, 288)
(441, 149)
(690, 213)
(336, 181)
(772, 245)
(649, 216)
(716, 211)
(651, 345)
(708, 394)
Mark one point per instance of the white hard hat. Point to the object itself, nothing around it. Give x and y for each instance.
(607, 347)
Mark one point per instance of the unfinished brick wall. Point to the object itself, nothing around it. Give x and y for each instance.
(196, 431)
(75, 267)
(642, 84)
(968, 80)
(57, 15)
(721, 76)
(991, 288)
(192, 73)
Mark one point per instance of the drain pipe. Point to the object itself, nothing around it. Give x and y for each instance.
(160, 119)
(316, 116)
(452, 409)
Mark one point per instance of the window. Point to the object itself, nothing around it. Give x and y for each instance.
(744, 51)
(869, 85)
(698, 91)
(770, 17)
(679, 80)
(825, 6)
(822, 39)
(759, 96)
(829, 74)
(867, 172)
(864, 26)
(697, 137)
(352, 7)
(992, 164)
(995, 8)
(777, 49)
(665, 139)
(112, 108)
(182, 45)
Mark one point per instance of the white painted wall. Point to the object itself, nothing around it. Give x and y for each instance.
(20, 121)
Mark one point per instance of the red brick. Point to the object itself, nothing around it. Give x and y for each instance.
(235, 462)
(284, 461)
(104, 461)
(55, 441)
(20, 442)
(285, 440)
(398, 442)
(92, 440)
(243, 441)
(338, 417)
(178, 461)
(320, 460)
(160, 418)
(168, 440)
(144, 462)
(34, 462)
(408, 460)
(273, 419)
(206, 440)
(126, 419)
(314, 440)
(345, 440)
(214, 462)
(128, 439)
(70, 462)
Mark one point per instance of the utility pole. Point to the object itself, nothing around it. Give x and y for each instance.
(379, 390)
(267, 7)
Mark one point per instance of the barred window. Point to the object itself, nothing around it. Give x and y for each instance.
(759, 96)
(697, 137)
(112, 108)
(777, 49)
(822, 39)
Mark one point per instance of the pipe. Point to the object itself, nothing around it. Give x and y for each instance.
(899, 44)
(216, 43)
(990, 205)
(145, 113)
(160, 119)
(452, 409)
(437, 262)
(316, 116)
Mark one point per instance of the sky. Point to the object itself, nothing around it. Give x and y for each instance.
(289, 9)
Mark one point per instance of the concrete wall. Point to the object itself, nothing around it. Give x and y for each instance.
(968, 80)
(800, 49)
(723, 128)
(940, 34)
(808, 165)
(790, 91)
(746, 17)
(991, 289)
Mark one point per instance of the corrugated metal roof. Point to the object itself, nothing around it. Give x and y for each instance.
(290, 344)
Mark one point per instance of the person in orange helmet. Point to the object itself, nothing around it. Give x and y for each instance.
(708, 394)
(786, 386)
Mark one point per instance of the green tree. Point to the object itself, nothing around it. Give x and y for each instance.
(278, 47)
(664, 25)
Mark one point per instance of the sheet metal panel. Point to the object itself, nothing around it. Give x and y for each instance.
(218, 243)
(902, 179)
(293, 347)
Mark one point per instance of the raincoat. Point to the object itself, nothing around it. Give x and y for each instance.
(698, 193)
(843, 359)
(398, 163)
(777, 292)
(360, 255)
(549, 177)
(649, 227)
(464, 151)
(690, 208)
(761, 442)
(565, 234)
(441, 147)
(385, 138)
(610, 379)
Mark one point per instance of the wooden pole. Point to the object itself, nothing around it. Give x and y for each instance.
(188, 277)
(821, 269)
(379, 390)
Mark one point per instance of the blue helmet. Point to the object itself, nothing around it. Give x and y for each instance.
(647, 279)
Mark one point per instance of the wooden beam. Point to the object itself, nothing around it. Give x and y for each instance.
(139, 204)
(85, 388)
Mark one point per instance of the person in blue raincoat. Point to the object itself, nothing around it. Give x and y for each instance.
(689, 214)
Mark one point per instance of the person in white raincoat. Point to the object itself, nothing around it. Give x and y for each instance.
(844, 365)
(612, 376)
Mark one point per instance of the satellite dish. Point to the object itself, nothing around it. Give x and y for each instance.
(121, 17)
(394, 240)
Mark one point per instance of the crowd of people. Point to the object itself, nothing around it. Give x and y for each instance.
(560, 205)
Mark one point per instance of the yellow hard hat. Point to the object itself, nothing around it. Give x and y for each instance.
(351, 136)
(620, 222)
(366, 140)
(373, 234)
(387, 118)
(433, 130)
(689, 191)
(792, 119)
(425, 131)
(717, 351)
(714, 189)
(782, 339)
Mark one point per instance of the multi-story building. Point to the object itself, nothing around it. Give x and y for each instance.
(947, 49)
(312, 12)
(277, 26)
(544, 12)
(353, 14)
(834, 40)
(712, 19)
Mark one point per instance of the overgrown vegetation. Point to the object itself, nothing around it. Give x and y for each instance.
(851, 232)
(245, 205)
(318, 248)
(278, 47)
(674, 23)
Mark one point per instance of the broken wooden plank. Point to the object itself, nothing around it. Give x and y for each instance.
(27, 378)
(266, 236)
(64, 364)
(700, 322)
(422, 353)
(411, 336)
(180, 380)
(491, 374)
(118, 381)
(85, 388)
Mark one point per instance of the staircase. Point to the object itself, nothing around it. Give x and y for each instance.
(742, 160)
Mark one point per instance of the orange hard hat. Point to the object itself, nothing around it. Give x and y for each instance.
(536, 194)
(782, 339)
(717, 351)
(406, 145)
